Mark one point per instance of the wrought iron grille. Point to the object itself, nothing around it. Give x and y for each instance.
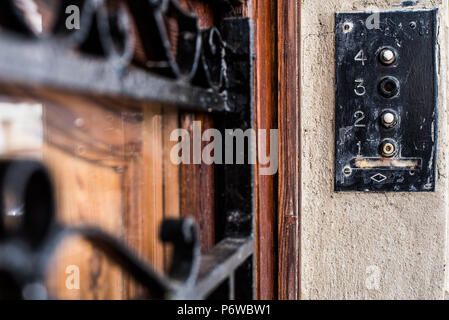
(207, 70)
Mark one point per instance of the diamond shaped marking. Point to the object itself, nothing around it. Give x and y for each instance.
(378, 177)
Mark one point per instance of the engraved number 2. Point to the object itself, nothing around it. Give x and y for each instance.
(359, 115)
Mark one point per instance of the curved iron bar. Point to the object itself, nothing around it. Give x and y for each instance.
(29, 236)
(12, 18)
(172, 42)
(104, 29)
(177, 57)
(212, 70)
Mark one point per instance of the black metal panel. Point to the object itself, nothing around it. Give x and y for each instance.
(386, 120)
(234, 182)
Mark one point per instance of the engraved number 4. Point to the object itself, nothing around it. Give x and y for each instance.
(361, 57)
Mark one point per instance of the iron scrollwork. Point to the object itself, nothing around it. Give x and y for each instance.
(30, 234)
(157, 35)
(160, 37)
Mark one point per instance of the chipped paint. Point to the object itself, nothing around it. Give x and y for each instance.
(408, 3)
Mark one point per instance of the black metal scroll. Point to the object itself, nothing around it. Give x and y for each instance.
(29, 235)
(171, 42)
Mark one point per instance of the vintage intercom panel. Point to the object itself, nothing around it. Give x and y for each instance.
(386, 119)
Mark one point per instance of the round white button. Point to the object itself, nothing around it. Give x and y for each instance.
(388, 118)
(387, 56)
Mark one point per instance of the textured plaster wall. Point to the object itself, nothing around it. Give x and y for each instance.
(362, 245)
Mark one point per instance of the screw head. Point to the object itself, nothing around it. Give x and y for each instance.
(387, 56)
(347, 27)
(347, 171)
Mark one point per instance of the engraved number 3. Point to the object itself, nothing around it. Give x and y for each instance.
(360, 89)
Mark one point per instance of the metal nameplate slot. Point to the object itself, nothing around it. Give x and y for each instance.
(386, 119)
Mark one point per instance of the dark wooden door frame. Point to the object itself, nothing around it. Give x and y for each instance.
(264, 17)
(278, 201)
(289, 205)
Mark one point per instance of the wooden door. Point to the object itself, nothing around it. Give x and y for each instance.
(110, 170)
(109, 157)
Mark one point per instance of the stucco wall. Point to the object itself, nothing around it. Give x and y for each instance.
(364, 245)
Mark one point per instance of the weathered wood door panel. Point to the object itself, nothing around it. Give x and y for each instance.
(112, 179)
(111, 169)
